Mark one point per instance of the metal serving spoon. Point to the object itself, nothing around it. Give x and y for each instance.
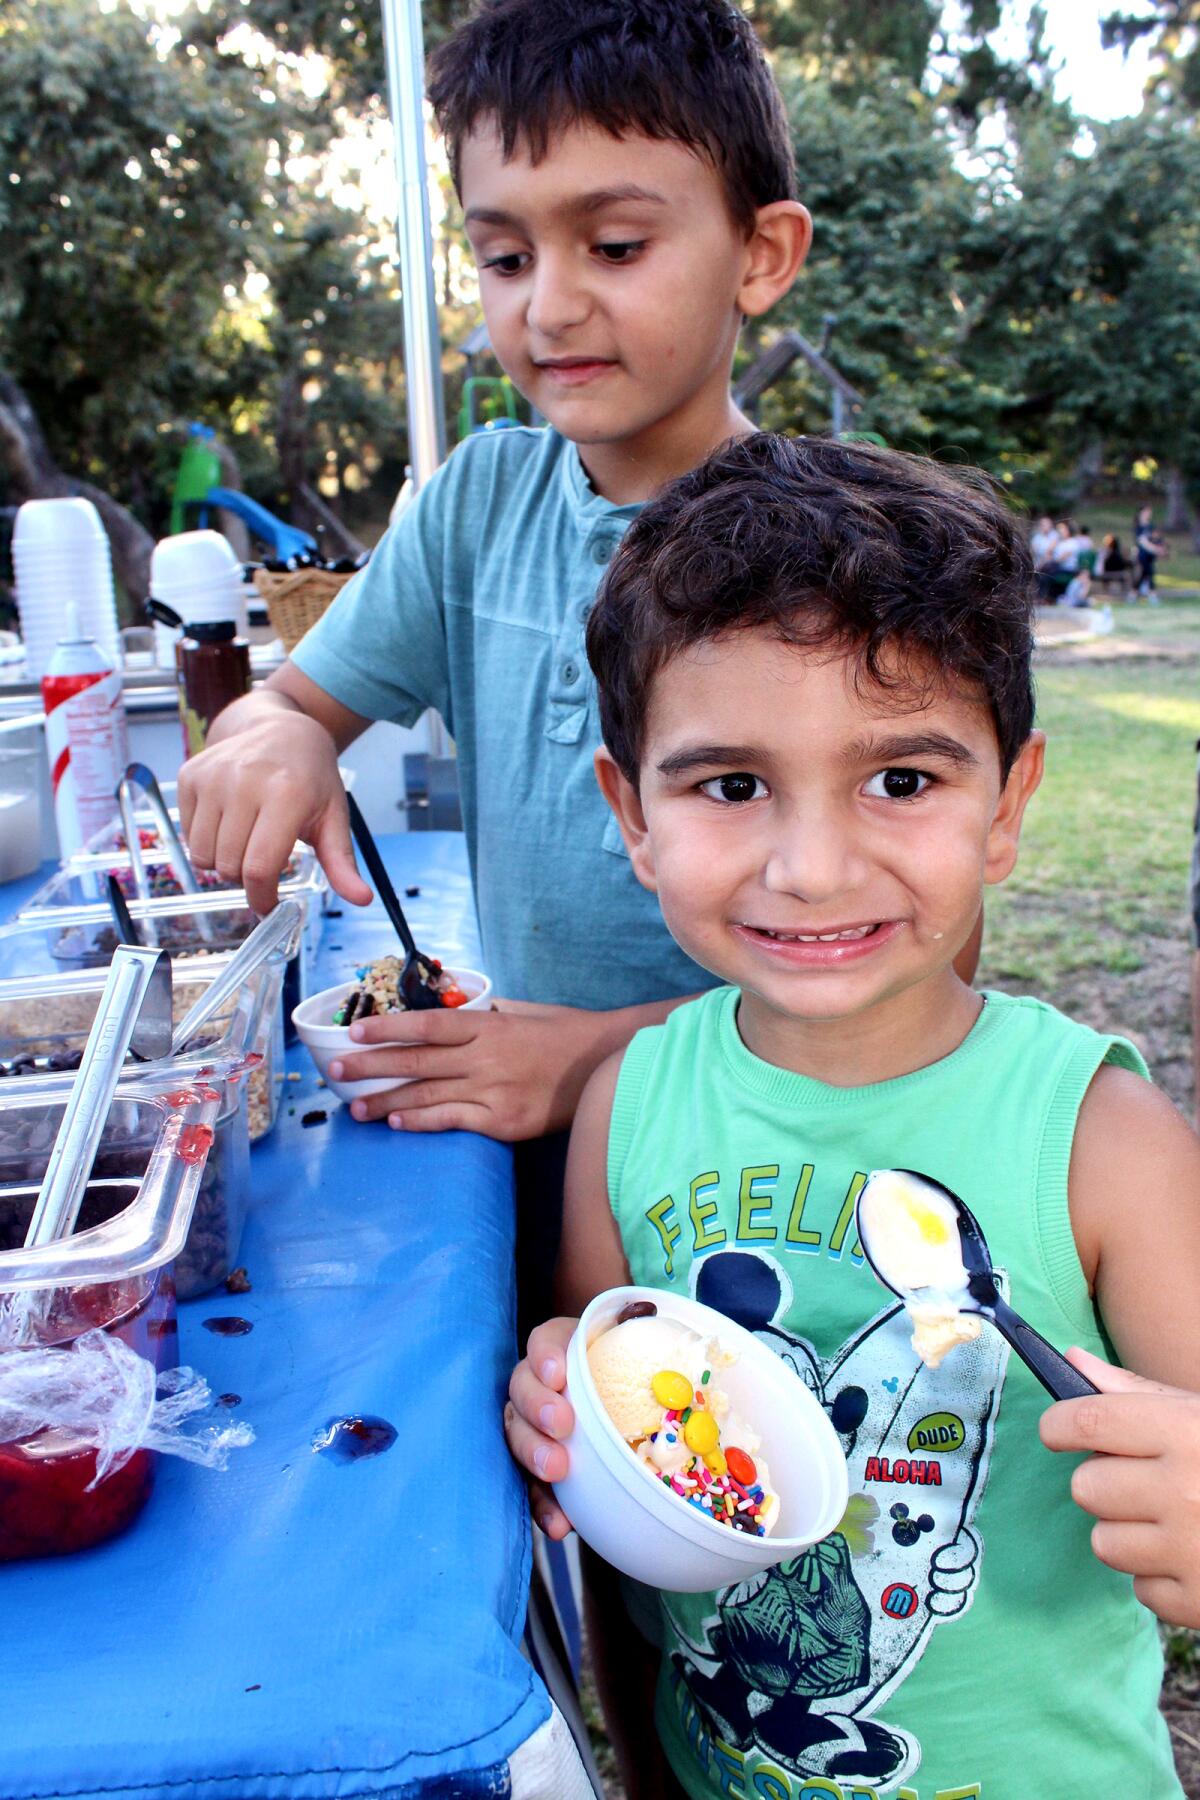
(134, 1012)
(980, 1294)
(137, 774)
(414, 989)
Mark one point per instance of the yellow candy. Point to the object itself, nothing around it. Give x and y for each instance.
(671, 1389)
(702, 1434)
(715, 1462)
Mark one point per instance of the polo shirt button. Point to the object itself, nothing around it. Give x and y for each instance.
(569, 673)
(585, 607)
(602, 549)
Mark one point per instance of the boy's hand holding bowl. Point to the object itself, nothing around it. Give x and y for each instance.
(559, 1430)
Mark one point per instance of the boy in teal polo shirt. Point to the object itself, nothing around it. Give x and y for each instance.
(813, 663)
(626, 177)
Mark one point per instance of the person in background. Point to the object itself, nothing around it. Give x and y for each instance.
(1054, 575)
(1042, 541)
(1078, 591)
(1111, 561)
(1149, 546)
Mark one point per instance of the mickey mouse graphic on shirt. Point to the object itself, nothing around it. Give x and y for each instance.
(797, 1663)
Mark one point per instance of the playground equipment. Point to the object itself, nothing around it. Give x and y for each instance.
(489, 403)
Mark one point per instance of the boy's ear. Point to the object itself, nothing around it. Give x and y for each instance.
(1024, 778)
(623, 797)
(775, 251)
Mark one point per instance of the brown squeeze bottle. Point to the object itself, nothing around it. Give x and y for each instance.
(213, 666)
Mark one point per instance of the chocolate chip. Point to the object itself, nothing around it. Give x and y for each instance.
(637, 1309)
(237, 1282)
(316, 1117)
(410, 893)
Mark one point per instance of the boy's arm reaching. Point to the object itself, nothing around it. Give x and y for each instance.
(590, 1259)
(1135, 1211)
(268, 776)
(514, 1073)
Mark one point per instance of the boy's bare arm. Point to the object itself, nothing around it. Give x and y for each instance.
(268, 776)
(590, 1259)
(1135, 1211)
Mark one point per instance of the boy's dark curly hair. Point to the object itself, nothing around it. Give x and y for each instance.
(689, 71)
(920, 570)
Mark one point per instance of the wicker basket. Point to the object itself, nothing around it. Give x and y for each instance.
(296, 600)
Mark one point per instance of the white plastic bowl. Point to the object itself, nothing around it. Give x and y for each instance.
(324, 1042)
(637, 1524)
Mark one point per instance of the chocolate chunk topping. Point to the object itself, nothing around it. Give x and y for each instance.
(637, 1309)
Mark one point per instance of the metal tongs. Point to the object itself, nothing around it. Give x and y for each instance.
(134, 1012)
(274, 935)
(137, 774)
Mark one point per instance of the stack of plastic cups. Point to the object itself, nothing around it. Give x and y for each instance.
(60, 553)
(196, 573)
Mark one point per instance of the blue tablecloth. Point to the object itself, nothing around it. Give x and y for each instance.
(299, 1627)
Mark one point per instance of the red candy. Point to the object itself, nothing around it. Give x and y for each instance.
(741, 1466)
(453, 996)
(194, 1141)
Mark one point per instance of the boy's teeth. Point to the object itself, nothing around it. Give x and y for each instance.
(821, 937)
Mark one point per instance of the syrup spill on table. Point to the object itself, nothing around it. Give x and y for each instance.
(349, 1439)
(228, 1327)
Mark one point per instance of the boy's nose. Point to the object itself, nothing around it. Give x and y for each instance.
(558, 299)
(815, 858)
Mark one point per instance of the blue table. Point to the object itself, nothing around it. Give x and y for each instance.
(299, 1627)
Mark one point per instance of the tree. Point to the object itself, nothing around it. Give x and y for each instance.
(132, 185)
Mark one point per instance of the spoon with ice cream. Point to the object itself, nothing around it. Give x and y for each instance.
(925, 1244)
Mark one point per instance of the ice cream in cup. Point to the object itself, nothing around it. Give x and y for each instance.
(323, 1021)
(698, 1456)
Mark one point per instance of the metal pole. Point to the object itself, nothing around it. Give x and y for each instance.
(405, 54)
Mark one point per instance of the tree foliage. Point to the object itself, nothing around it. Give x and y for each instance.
(999, 286)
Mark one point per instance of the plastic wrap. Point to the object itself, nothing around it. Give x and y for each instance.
(98, 1394)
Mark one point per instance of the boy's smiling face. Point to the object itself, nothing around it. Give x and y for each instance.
(613, 276)
(819, 841)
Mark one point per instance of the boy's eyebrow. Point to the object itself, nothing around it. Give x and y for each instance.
(592, 202)
(705, 756)
(910, 747)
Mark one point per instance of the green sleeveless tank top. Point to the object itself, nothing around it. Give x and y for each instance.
(955, 1637)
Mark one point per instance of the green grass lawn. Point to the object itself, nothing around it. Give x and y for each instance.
(1095, 916)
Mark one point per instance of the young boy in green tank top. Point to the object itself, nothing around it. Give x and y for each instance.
(813, 662)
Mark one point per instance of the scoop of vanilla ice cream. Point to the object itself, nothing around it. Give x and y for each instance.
(938, 1326)
(624, 1361)
(911, 1231)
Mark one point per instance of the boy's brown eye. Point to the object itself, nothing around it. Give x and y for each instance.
(897, 784)
(733, 788)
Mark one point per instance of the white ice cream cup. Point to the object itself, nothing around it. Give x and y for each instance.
(324, 1041)
(637, 1524)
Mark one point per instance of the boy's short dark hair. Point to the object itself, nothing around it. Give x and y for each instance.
(688, 71)
(832, 546)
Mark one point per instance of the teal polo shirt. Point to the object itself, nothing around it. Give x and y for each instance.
(474, 603)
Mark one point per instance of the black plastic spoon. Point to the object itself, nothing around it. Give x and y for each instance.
(417, 995)
(981, 1295)
(126, 930)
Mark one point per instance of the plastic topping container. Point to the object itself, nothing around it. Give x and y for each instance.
(81, 884)
(45, 1018)
(112, 1276)
(71, 938)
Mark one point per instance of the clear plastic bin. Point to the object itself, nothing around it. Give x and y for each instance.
(81, 883)
(114, 1274)
(47, 1015)
(63, 939)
